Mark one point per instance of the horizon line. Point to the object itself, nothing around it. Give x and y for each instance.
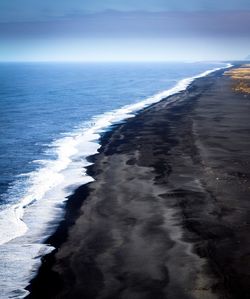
(118, 61)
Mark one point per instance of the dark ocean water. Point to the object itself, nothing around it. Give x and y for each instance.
(51, 117)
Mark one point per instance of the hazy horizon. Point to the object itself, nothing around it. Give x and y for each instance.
(113, 31)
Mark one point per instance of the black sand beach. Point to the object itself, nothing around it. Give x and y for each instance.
(168, 215)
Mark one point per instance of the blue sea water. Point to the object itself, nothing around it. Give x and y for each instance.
(50, 120)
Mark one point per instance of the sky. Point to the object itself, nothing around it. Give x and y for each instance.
(115, 30)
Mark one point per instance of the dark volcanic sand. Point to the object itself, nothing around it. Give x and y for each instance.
(169, 213)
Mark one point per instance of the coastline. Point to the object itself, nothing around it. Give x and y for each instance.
(41, 194)
(123, 139)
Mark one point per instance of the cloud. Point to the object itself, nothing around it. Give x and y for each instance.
(27, 10)
(114, 24)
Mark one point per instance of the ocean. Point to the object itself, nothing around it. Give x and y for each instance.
(51, 119)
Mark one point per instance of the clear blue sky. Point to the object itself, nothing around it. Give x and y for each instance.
(99, 30)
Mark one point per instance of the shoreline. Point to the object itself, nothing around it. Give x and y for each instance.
(73, 205)
(43, 192)
(75, 201)
(99, 123)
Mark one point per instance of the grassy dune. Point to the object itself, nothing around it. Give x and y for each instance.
(241, 76)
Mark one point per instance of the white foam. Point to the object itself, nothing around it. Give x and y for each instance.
(26, 225)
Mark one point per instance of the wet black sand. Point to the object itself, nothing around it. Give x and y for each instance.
(169, 213)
